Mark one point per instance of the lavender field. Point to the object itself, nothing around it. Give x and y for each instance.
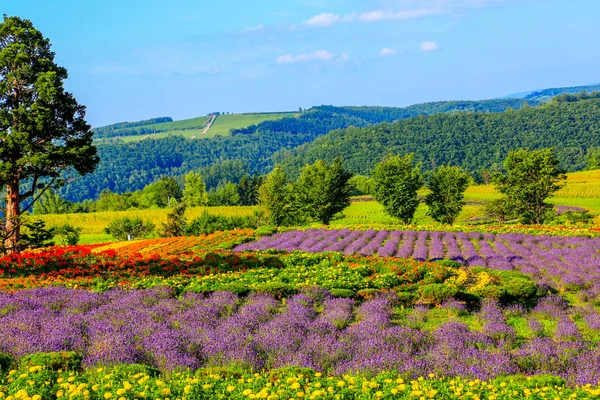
(310, 329)
(572, 263)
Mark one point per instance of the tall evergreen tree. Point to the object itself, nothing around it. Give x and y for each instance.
(43, 133)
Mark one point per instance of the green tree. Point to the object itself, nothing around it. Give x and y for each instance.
(129, 228)
(194, 194)
(176, 222)
(322, 190)
(592, 158)
(274, 196)
(162, 192)
(67, 234)
(226, 194)
(397, 180)
(531, 177)
(43, 133)
(248, 189)
(51, 203)
(447, 185)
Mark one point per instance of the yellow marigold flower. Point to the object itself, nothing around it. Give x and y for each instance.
(300, 395)
(230, 388)
(295, 385)
(431, 375)
(120, 391)
(379, 394)
(107, 395)
(2, 395)
(373, 385)
(247, 392)
(36, 397)
(318, 374)
(59, 394)
(122, 398)
(341, 383)
(187, 389)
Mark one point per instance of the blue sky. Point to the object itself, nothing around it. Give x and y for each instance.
(135, 59)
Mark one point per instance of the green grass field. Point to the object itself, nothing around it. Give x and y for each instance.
(224, 123)
(193, 127)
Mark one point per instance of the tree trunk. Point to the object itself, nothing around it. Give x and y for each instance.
(13, 226)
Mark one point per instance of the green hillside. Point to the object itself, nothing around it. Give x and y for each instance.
(544, 95)
(571, 123)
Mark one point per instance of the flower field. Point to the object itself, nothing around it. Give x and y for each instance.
(570, 263)
(316, 314)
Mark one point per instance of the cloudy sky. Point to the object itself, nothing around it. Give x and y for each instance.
(137, 59)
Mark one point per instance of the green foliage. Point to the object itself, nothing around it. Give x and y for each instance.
(266, 231)
(42, 128)
(51, 203)
(129, 228)
(396, 183)
(64, 360)
(501, 210)
(592, 158)
(274, 196)
(362, 184)
(447, 185)
(176, 223)
(322, 190)
(162, 192)
(226, 194)
(531, 177)
(67, 234)
(194, 193)
(38, 235)
(6, 361)
(248, 189)
(209, 223)
(436, 293)
(470, 140)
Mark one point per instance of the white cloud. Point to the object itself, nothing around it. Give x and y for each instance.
(381, 15)
(398, 10)
(319, 55)
(324, 19)
(429, 46)
(344, 57)
(253, 29)
(386, 52)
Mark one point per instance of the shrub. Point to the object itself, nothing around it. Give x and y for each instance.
(342, 293)
(266, 231)
(67, 235)
(65, 360)
(129, 228)
(208, 223)
(6, 361)
(436, 293)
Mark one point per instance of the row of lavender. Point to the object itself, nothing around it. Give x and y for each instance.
(573, 262)
(152, 327)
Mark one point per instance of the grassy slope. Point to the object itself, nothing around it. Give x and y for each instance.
(225, 123)
(189, 128)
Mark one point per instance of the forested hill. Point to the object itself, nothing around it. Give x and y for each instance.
(571, 123)
(131, 166)
(322, 119)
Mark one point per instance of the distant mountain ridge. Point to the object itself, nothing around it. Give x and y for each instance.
(544, 95)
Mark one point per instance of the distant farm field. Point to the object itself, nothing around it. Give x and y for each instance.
(193, 128)
(224, 123)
